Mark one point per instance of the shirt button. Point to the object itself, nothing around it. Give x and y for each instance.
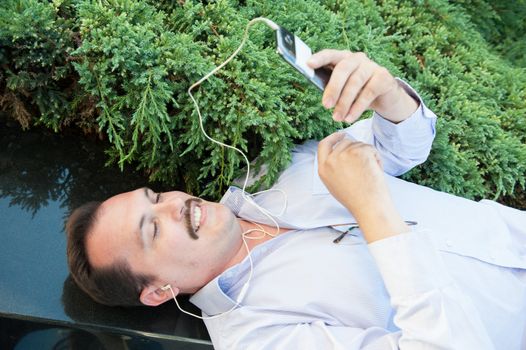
(491, 256)
(449, 243)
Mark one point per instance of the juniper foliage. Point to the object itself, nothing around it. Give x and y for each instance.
(35, 41)
(121, 69)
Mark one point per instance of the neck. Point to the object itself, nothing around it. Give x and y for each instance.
(262, 237)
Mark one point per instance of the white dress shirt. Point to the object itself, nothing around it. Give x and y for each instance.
(457, 281)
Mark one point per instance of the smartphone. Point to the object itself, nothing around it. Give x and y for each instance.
(296, 53)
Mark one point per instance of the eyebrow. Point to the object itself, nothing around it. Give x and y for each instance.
(143, 219)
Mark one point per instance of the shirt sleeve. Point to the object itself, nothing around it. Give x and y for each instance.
(401, 146)
(309, 336)
(431, 312)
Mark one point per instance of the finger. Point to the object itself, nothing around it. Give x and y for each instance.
(342, 145)
(372, 155)
(349, 144)
(356, 82)
(360, 146)
(341, 72)
(326, 145)
(326, 57)
(379, 160)
(333, 90)
(375, 87)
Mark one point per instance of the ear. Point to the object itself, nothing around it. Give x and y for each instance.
(153, 295)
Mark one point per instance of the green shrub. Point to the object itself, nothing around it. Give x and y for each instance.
(35, 77)
(121, 68)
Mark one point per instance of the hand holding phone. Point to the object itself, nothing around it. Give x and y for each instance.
(357, 82)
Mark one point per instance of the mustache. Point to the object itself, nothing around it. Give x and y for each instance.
(187, 216)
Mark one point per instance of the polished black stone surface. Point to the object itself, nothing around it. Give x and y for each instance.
(42, 178)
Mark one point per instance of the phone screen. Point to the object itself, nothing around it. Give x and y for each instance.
(296, 53)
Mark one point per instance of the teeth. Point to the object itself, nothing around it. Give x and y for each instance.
(197, 217)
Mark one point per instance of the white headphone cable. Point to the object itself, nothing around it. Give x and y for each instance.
(274, 26)
(239, 298)
(265, 212)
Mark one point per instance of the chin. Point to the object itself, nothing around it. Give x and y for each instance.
(220, 221)
(224, 214)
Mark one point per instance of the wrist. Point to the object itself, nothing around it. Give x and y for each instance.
(381, 221)
(398, 106)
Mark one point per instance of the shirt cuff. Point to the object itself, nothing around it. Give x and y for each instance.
(410, 264)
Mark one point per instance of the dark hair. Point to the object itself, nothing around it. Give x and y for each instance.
(112, 285)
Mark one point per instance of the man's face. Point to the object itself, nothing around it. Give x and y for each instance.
(179, 239)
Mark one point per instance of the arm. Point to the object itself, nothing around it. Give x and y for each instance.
(431, 310)
(424, 321)
(402, 128)
(246, 331)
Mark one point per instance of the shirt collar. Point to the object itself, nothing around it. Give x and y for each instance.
(211, 299)
(218, 295)
(243, 207)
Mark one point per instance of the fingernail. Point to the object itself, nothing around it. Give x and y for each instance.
(349, 118)
(327, 102)
(312, 61)
(337, 116)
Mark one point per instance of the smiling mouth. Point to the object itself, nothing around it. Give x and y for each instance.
(193, 216)
(197, 218)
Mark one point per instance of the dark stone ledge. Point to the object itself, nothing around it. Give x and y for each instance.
(42, 178)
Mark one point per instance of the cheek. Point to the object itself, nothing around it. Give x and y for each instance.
(172, 234)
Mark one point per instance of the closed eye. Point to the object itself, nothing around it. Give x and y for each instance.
(155, 225)
(155, 229)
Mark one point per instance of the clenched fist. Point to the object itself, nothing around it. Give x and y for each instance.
(353, 174)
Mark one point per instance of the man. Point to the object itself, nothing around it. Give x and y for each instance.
(454, 279)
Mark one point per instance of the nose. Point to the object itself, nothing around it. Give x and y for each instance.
(172, 206)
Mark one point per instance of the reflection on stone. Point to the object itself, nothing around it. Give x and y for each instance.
(164, 319)
(43, 177)
(36, 167)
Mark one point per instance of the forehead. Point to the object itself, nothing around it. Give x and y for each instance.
(115, 233)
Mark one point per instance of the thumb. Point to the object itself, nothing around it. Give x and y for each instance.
(326, 145)
(326, 57)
